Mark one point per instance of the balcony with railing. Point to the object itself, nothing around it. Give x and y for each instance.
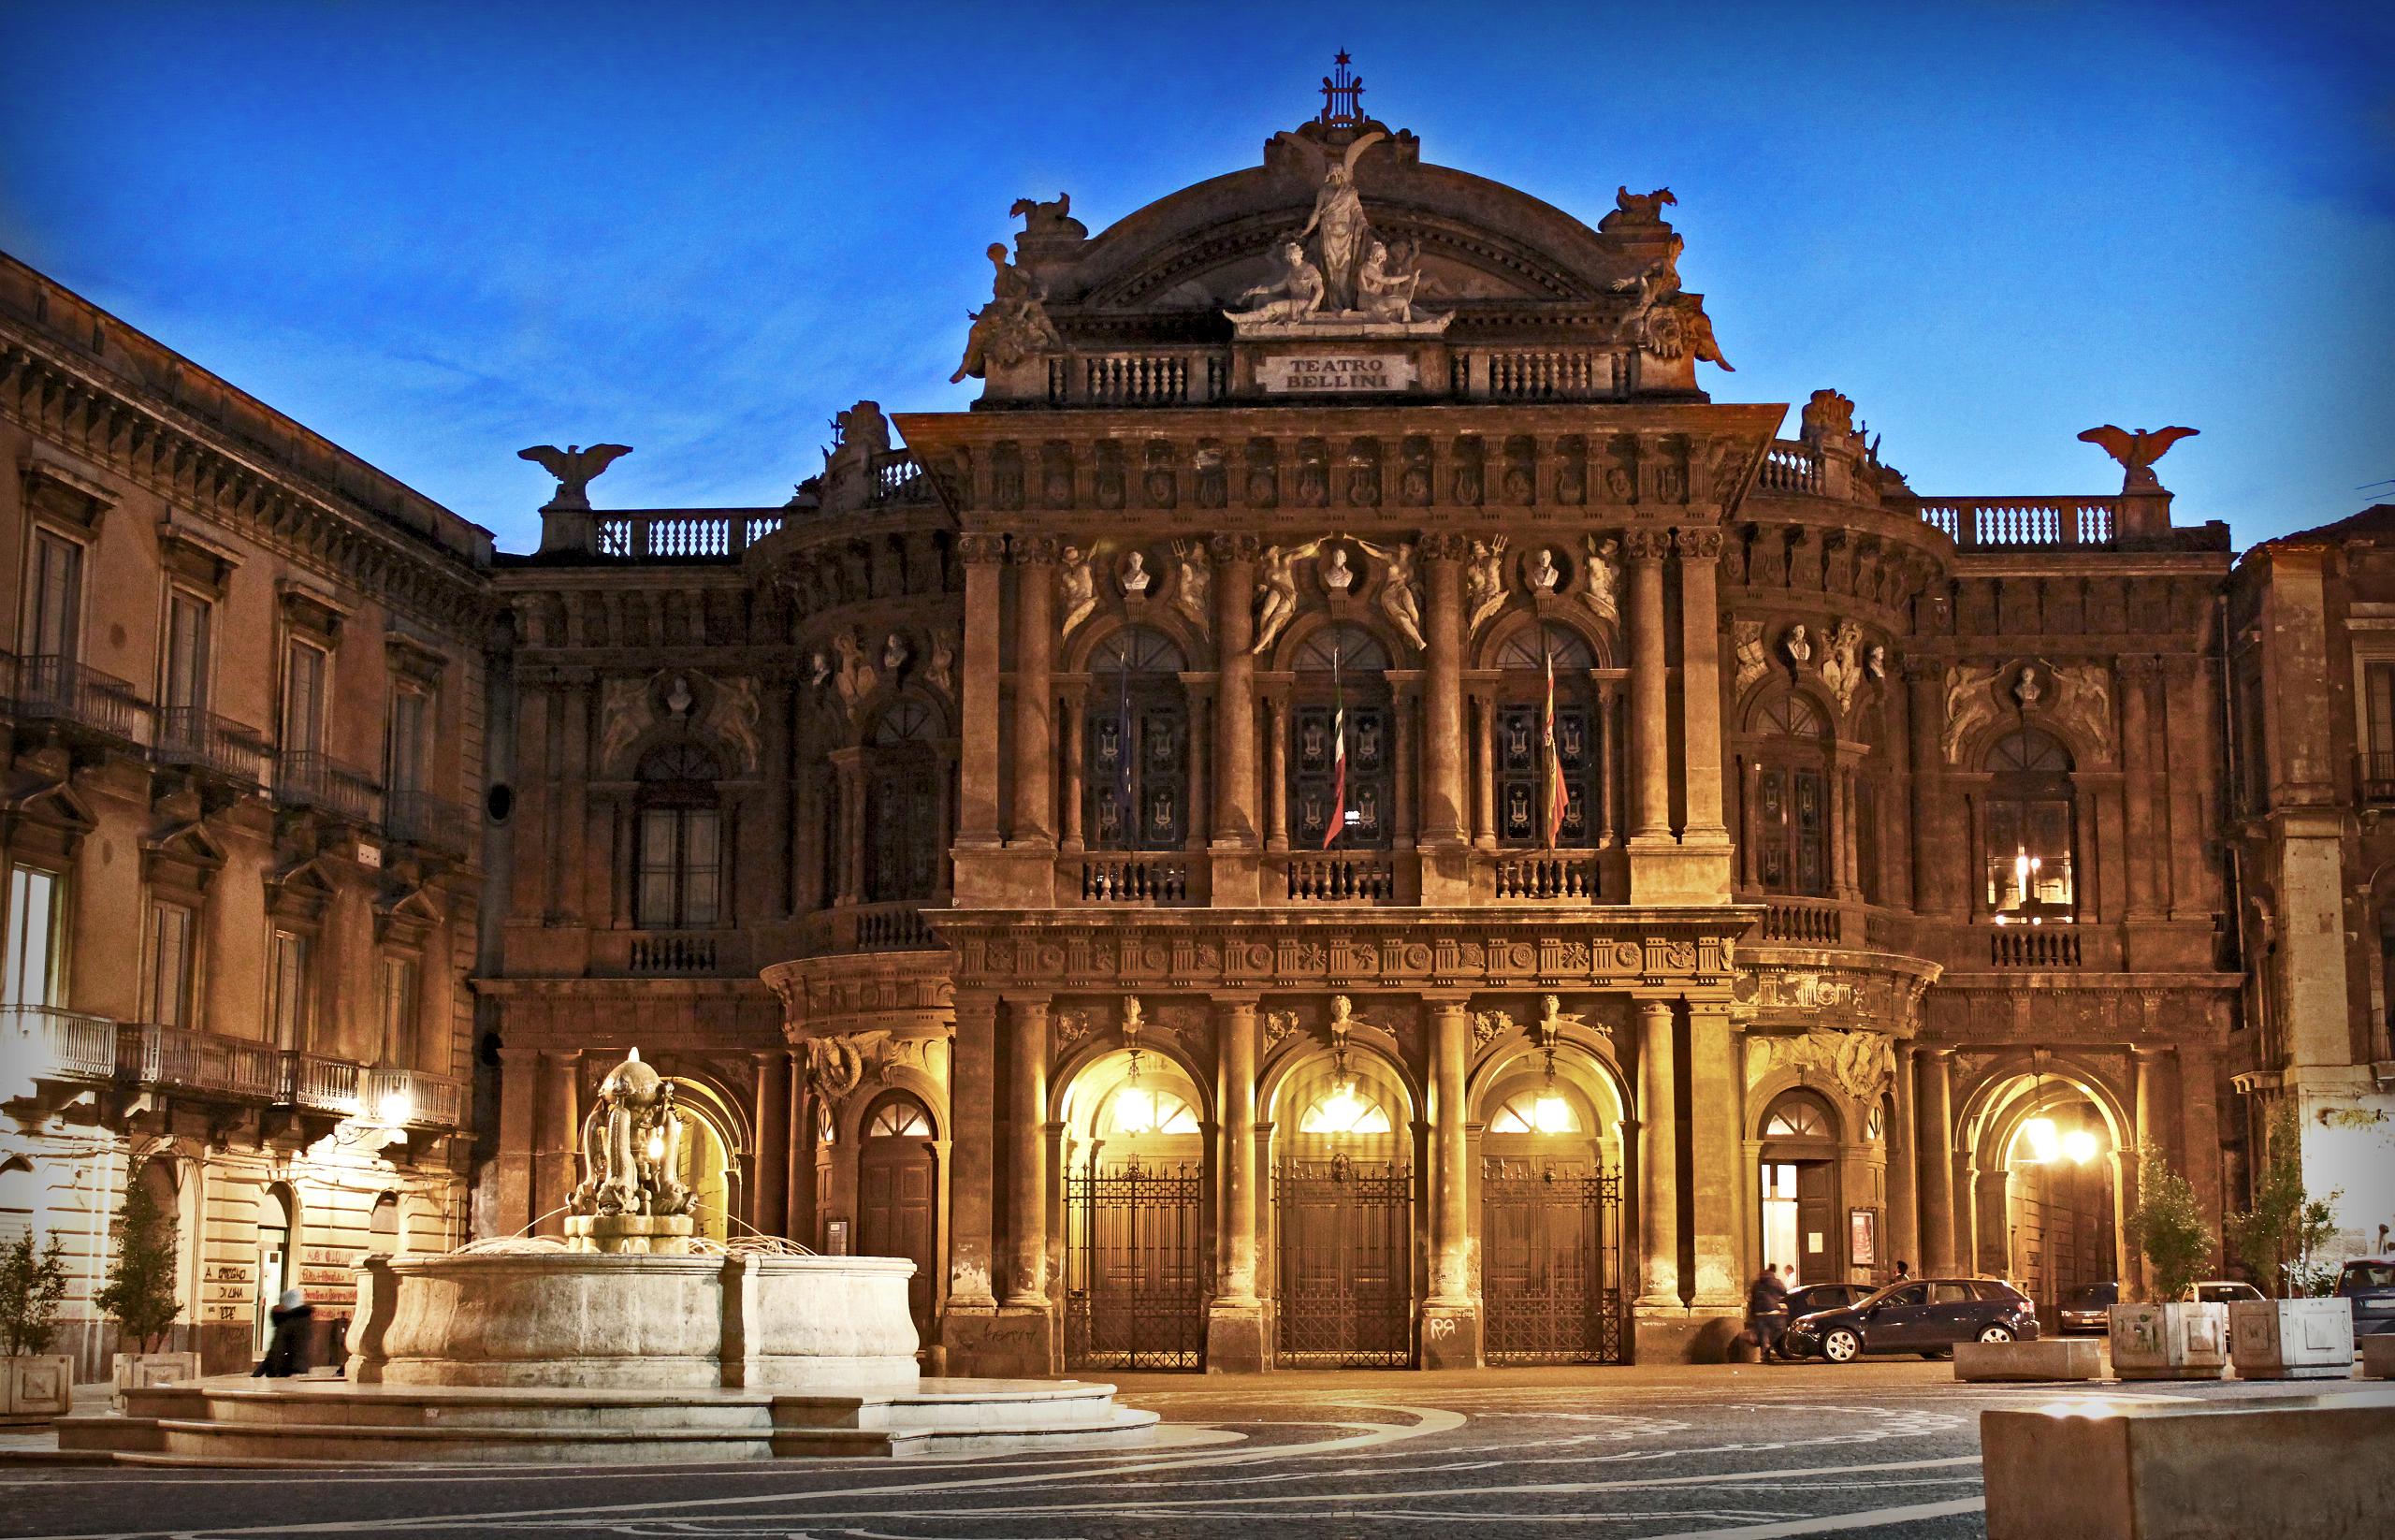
(2017, 524)
(1543, 877)
(410, 1099)
(899, 480)
(319, 1083)
(311, 779)
(683, 535)
(1130, 878)
(2033, 946)
(43, 1042)
(1362, 879)
(429, 822)
(60, 689)
(1789, 468)
(898, 926)
(201, 740)
(1140, 377)
(181, 1059)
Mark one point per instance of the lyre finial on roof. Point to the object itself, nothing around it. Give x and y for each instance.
(1342, 95)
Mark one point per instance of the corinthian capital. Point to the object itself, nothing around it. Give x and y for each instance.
(1233, 547)
(981, 550)
(1698, 543)
(1640, 544)
(1033, 550)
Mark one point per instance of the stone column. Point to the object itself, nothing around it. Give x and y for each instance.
(1234, 559)
(1903, 1238)
(1454, 1297)
(769, 1164)
(1700, 551)
(1650, 766)
(560, 1137)
(1026, 1151)
(973, 1128)
(1934, 891)
(1715, 1132)
(1034, 600)
(1484, 772)
(1276, 785)
(1967, 1211)
(1934, 1146)
(2189, 739)
(1073, 756)
(977, 821)
(1751, 827)
(2138, 788)
(1201, 764)
(1659, 1196)
(515, 1168)
(2146, 1070)
(1235, 1318)
(1442, 792)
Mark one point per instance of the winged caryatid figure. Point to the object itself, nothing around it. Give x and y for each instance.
(1338, 222)
(2137, 452)
(575, 467)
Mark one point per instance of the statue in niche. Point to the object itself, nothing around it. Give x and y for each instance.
(1384, 294)
(1842, 663)
(1875, 661)
(1544, 574)
(1296, 295)
(1601, 575)
(2026, 689)
(819, 668)
(2085, 705)
(1079, 585)
(1400, 599)
(1193, 584)
(1133, 575)
(2137, 452)
(1798, 644)
(1011, 328)
(1485, 580)
(1276, 589)
(1970, 701)
(1336, 575)
(856, 677)
(575, 468)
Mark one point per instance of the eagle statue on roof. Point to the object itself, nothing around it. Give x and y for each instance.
(2137, 452)
(575, 467)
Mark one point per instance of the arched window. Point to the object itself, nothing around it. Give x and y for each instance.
(1527, 775)
(680, 884)
(1133, 1110)
(902, 841)
(1535, 1112)
(20, 1198)
(2030, 832)
(899, 1119)
(1788, 792)
(1135, 744)
(1345, 1110)
(1337, 799)
(1798, 1117)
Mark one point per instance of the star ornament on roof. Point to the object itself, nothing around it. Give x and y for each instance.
(1341, 94)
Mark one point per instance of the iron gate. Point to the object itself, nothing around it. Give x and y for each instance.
(1550, 1263)
(1345, 1241)
(1133, 1296)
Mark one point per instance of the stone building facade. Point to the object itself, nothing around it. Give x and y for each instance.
(1348, 812)
(241, 745)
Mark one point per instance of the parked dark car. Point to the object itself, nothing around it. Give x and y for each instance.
(1813, 1297)
(1927, 1317)
(2088, 1308)
(2370, 1283)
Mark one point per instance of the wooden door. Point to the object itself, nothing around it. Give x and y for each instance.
(896, 1204)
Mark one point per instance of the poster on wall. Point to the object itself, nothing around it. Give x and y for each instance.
(1862, 1226)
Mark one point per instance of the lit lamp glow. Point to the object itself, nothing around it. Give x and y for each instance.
(656, 1144)
(2079, 1145)
(1552, 1114)
(395, 1107)
(1135, 1111)
(2044, 1143)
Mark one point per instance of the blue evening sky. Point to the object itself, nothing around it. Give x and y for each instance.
(438, 233)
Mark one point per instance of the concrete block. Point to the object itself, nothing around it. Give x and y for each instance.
(2291, 1339)
(2047, 1358)
(2169, 1341)
(2378, 1357)
(2322, 1467)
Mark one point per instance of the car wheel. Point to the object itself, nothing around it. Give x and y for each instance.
(1841, 1346)
(1995, 1334)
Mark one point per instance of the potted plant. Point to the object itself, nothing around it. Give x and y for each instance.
(37, 1383)
(140, 1295)
(2299, 1334)
(2165, 1337)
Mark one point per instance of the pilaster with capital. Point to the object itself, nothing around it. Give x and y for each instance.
(1234, 563)
(1933, 1147)
(1699, 554)
(977, 821)
(1651, 793)
(1716, 1127)
(1442, 807)
(1658, 1193)
(973, 1069)
(1451, 1313)
(1027, 1150)
(1035, 612)
(2139, 786)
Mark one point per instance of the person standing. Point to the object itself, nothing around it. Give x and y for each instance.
(1904, 1273)
(1768, 1310)
(287, 1352)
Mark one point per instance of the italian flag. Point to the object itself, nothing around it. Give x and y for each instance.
(1558, 797)
(1338, 756)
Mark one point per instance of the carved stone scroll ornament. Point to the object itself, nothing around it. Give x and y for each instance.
(1489, 1025)
(1485, 581)
(1971, 705)
(1193, 585)
(1754, 658)
(1077, 586)
(834, 1068)
(1600, 585)
(1012, 327)
(1277, 1026)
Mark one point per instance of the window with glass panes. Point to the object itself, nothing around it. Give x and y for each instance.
(188, 617)
(1135, 744)
(1521, 727)
(1789, 820)
(401, 975)
(409, 731)
(678, 884)
(54, 612)
(1342, 677)
(2030, 830)
(902, 841)
(303, 698)
(2377, 730)
(33, 963)
(290, 989)
(167, 994)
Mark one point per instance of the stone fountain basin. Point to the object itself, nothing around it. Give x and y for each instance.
(592, 1319)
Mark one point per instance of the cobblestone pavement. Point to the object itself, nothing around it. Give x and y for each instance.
(1872, 1450)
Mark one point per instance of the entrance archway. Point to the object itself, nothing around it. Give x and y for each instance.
(898, 1194)
(1135, 1183)
(278, 1255)
(1551, 1272)
(709, 1164)
(1342, 1216)
(2053, 1143)
(1797, 1177)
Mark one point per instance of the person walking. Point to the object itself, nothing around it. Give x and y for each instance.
(1768, 1310)
(286, 1351)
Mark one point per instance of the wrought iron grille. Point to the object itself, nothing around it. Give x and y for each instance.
(1550, 1263)
(1345, 1241)
(1134, 1270)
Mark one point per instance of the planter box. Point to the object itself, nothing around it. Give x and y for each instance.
(2378, 1357)
(37, 1384)
(2291, 1339)
(2046, 1358)
(2169, 1341)
(140, 1371)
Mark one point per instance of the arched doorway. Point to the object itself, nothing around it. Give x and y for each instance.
(1798, 1202)
(898, 1195)
(1342, 1216)
(708, 1163)
(2060, 1214)
(278, 1255)
(1135, 1182)
(1551, 1275)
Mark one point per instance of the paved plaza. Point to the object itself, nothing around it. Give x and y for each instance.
(1875, 1449)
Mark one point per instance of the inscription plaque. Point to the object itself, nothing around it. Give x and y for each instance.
(1334, 374)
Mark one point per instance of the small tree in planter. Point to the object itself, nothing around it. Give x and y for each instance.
(32, 1284)
(2164, 1338)
(2286, 1227)
(2168, 1225)
(140, 1295)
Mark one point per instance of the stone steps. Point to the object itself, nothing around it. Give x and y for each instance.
(240, 1421)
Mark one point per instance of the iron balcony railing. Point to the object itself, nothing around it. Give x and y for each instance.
(183, 1058)
(59, 688)
(2375, 774)
(202, 740)
(431, 822)
(46, 1043)
(312, 779)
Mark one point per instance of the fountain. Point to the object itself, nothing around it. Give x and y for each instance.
(632, 1338)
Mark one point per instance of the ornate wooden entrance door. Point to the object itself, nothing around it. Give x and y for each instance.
(1134, 1285)
(896, 1198)
(1344, 1235)
(1550, 1263)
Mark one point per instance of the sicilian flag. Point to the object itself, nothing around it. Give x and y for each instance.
(1558, 797)
(1338, 754)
